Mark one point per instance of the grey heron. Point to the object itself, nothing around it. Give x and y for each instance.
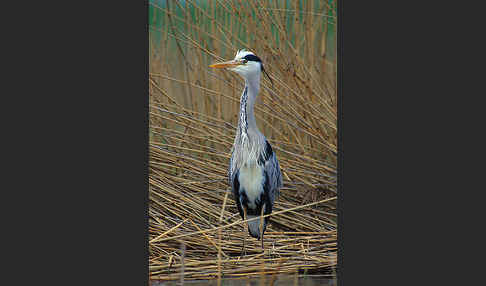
(254, 172)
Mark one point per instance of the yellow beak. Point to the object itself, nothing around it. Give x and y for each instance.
(227, 64)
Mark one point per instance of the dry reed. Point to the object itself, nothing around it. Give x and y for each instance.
(193, 116)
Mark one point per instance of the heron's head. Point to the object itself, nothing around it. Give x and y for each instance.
(245, 63)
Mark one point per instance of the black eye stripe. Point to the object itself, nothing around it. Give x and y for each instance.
(252, 58)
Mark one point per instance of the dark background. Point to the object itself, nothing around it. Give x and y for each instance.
(76, 143)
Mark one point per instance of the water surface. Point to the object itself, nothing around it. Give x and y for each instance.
(280, 280)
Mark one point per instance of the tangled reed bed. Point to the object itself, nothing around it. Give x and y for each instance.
(212, 246)
(195, 231)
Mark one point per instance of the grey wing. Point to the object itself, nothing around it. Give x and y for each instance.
(272, 168)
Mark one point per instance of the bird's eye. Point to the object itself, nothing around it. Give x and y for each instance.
(244, 61)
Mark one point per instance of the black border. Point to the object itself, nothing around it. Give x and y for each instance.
(403, 78)
(80, 75)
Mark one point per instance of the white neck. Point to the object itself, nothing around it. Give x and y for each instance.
(247, 120)
(253, 89)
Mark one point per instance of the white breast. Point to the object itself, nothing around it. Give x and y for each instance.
(251, 180)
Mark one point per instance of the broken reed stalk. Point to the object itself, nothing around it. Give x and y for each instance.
(193, 114)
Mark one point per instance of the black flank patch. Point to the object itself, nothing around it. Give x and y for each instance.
(268, 153)
(266, 197)
(236, 194)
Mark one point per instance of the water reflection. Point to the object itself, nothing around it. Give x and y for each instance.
(280, 280)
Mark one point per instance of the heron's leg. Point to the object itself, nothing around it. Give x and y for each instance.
(261, 225)
(243, 250)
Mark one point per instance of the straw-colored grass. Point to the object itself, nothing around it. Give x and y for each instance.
(195, 231)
